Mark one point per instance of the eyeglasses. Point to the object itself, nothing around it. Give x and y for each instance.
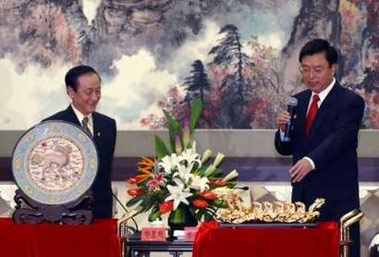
(316, 71)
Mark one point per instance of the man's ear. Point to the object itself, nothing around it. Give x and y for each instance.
(334, 68)
(70, 91)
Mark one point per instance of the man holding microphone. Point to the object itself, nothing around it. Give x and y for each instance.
(323, 138)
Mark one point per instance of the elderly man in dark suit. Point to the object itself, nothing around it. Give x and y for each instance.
(83, 85)
(323, 137)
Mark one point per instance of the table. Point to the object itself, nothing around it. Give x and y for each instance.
(99, 239)
(140, 248)
(214, 241)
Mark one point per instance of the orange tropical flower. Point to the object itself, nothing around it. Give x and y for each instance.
(137, 179)
(145, 166)
(146, 163)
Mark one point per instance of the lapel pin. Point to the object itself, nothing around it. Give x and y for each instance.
(98, 134)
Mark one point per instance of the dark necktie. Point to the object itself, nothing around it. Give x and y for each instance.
(311, 114)
(85, 125)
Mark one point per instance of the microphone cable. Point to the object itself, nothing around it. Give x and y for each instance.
(126, 210)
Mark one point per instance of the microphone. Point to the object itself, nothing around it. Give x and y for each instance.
(291, 105)
(244, 188)
(130, 215)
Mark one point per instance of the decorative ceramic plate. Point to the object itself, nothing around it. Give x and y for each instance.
(54, 162)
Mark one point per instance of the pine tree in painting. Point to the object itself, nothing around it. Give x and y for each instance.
(236, 91)
(197, 83)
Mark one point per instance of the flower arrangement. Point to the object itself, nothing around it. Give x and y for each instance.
(180, 182)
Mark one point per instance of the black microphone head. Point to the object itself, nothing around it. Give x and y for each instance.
(291, 106)
(292, 101)
(243, 188)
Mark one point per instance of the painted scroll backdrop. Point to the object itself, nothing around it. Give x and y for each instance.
(239, 56)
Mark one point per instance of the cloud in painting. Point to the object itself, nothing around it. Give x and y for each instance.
(138, 85)
(28, 97)
(195, 47)
(270, 20)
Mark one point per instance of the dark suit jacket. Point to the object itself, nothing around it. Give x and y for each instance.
(105, 138)
(332, 146)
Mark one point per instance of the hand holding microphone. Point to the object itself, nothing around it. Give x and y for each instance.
(282, 120)
(286, 118)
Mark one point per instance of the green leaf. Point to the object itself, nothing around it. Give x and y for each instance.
(177, 216)
(160, 148)
(208, 216)
(172, 127)
(134, 200)
(216, 174)
(154, 215)
(170, 119)
(196, 108)
(147, 203)
(220, 203)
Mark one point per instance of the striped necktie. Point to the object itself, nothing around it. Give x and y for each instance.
(85, 125)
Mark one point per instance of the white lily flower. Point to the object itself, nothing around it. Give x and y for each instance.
(184, 172)
(206, 155)
(190, 156)
(179, 182)
(178, 194)
(201, 183)
(219, 158)
(209, 170)
(230, 176)
(169, 163)
(194, 146)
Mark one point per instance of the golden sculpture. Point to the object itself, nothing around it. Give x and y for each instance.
(279, 211)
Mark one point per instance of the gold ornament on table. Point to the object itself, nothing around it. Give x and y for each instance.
(279, 211)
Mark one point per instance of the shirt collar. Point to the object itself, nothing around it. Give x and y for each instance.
(80, 116)
(324, 93)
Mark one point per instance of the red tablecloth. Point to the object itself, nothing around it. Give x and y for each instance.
(213, 241)
(47, 240)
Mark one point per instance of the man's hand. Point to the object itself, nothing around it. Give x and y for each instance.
(300, 170)
(282, 120)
